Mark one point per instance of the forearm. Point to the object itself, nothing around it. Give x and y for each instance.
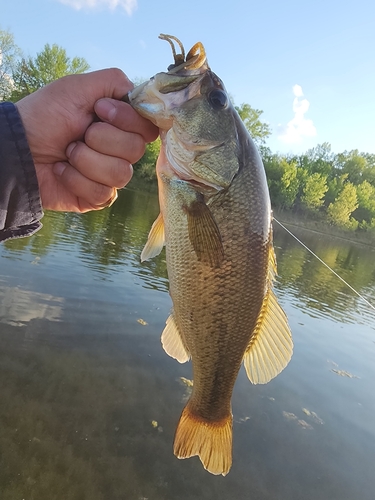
(20, 205)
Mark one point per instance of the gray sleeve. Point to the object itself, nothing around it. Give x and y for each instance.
(20, 205)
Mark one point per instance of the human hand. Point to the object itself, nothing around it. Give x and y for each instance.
(79, 160)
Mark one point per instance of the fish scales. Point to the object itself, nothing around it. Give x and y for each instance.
(216, 309)
(215, 221)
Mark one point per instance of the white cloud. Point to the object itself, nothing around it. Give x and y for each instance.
(128, 5)
(299, 126)
(297, 90)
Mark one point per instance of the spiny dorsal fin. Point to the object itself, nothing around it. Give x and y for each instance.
(172, 342)
(271, 345)
(204, 234)
(155, 241)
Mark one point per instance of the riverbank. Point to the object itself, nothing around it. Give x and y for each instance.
(290, 220)
(302, 221)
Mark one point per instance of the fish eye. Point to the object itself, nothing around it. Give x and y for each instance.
(218, 98)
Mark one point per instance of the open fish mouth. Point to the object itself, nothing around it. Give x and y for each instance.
(184, 71)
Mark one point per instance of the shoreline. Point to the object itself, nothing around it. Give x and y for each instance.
(323, 228)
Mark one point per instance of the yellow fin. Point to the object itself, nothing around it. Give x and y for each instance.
(211, 441)
(204, 234)
(271, 346)
(155, 241)
(172, 342)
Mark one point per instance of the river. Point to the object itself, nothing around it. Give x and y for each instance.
(90, 401)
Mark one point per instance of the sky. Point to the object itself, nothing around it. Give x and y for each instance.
(310, 66)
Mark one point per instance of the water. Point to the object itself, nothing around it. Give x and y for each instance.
(90, 401)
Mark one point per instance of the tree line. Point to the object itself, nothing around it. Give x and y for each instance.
(338, 188)
(22, 75)
(335, 188)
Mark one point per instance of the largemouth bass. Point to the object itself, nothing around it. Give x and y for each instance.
(215, 222)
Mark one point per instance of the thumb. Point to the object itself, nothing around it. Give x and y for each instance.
(111, 83)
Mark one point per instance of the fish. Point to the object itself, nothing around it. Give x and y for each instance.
(215, 222)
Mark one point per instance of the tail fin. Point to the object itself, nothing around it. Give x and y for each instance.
(211, 441)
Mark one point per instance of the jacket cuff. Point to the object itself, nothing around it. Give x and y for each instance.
(20, 204)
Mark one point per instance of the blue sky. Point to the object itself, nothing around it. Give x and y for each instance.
(310, 66)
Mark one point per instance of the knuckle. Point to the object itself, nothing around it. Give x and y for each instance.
(117, 74)
(120, 173)
(77, 154)
(94, 132)
(138, 148)
(101, 193)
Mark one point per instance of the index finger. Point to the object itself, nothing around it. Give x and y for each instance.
(124, 117)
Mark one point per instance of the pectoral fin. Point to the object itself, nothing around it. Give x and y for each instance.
(155, 241)
(172, 342)
(204, 234)
(271, 345)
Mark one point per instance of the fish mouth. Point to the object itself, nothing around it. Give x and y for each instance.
(157, 98)
(169, 89)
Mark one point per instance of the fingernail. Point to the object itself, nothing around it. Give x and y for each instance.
(70, 148)
(59, 168)
(105, 109)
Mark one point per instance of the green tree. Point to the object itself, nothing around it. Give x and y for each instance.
(340, 211)
(320, 159)
(289, 183)
(354, 164)
(282, 178)
(313, 191)
(365, 212)
(9, 55)
(369, 173)
(146, 166)
(258, 130)
(335, 186)
(49, 65)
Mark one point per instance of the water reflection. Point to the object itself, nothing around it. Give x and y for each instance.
(18, 307)
(313, 285)
(83, 379)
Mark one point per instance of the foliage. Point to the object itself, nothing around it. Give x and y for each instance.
(339, 212)
(48, 65)
(335, 185)
(353, 164)
(365, 213)
(258, 130)
(339, 188)
(320, 159)
(314, 190)
(9, 53)
(146, 166)
(283, 180)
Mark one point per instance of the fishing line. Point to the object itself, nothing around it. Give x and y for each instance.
(327, 266)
